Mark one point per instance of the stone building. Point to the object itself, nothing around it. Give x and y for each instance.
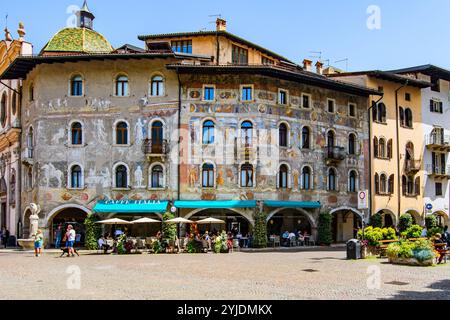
(10, 131)
(204, 124)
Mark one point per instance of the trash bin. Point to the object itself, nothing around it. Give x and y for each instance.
(353, 249)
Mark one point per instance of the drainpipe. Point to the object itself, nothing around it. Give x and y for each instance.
(369, 116)
(397, 127)
(179, 139)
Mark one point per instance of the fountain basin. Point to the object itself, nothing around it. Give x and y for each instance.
(26, 244)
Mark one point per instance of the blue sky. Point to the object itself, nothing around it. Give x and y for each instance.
(412, 32)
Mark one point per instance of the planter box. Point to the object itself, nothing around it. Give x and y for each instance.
(369, 251)
(411, 262)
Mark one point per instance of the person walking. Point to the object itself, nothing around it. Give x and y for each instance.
(38, 242)
(70, 235)
(5, 236)
(58, 236)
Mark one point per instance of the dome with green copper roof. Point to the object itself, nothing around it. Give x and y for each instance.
(78, 40)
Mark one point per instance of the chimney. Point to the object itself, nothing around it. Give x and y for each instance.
(319, 67)
(307, 65)
(221, 24)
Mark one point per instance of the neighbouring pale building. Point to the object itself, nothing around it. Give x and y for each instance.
(203, 123)
(10, 132)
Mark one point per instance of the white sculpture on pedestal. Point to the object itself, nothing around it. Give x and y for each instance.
(34, 218)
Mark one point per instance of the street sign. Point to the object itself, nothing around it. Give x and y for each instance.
(429, 206)
(362, 200)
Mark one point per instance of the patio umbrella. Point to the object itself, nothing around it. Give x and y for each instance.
(145, 220)
(210, 221)
(179, 221)
(114, 221)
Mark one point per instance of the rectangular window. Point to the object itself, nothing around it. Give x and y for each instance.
(352, 110)
(407, 96)
(208, 93)
(266, 61)
(282, 97)
(182, 46)
(306, 101)
(436, 106)
(435, 84)
(247, 93)
(438, 187)
(331, 105)
(239, 55)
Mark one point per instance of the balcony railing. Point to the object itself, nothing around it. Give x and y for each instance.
(334, 154)
(438, 171)
(412, 166)
(437, 141)
(157, 148)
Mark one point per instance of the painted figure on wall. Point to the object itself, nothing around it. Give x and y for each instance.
(139, 177)
(100, 131)
(139, 130)
(50, 172)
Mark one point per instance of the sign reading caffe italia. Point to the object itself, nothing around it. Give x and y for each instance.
(126, 201)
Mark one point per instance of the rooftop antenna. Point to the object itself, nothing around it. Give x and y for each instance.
(318, 54)
(346, 63)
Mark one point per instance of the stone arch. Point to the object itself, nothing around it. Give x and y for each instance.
(385, 211)
(344, 208)
(307, 214)
(445, 217)
(53, 213)
(417, 217)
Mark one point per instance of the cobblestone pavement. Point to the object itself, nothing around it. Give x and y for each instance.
(240, 275)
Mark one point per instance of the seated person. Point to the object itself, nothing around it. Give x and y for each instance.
(207, 238)
(292, 237)
(285, 238)
(102, 244)
(442, 249)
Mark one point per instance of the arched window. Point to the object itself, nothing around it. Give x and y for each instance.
(122, 133)
(157, 137)
(30, 142)
(404, 185)
(330, 139)
(76, 131)
(283, 177)
(76, 177)
(208, 175)
(377, 183)
(383, 183)
(409, 152)
(12, 188)
(14, 103)
(283, 135)
(247, 176)
(408, 118)
(391, 184)
(352, 181)
(381, 112)
(157, 179)
(30, 178)
(331, 179)
(306, 178)
(31, 93)
(375, 147)
(306, 144)
(382, 146)
(352, 144)
(157, 86)
(208, 132)
(76, 86)
(3, 110)
(247, 133)
(121, 86)
(402, 116)
(121, 177)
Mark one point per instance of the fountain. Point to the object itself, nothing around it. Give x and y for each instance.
(28, 244)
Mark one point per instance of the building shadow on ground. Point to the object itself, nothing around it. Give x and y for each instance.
(440, 290)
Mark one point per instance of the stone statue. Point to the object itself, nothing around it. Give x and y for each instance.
(34, 218)
(138, 177)
(139, 130)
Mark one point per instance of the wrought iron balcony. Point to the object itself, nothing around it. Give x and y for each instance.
(412, 166)
(438, 142)
(27, 155)
(334, 154)
(151, 149)
(438, 172)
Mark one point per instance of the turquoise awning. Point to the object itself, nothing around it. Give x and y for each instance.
(130, 206)
(292, 204)
(219, 204)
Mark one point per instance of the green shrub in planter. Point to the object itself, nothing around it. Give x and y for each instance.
(324, 229)
(93, 232)
(389, 234)
(393, 250)
(376, 221)
(405, 221)
(433, 231)
(372, 235)
(431, 221)
(414, 231)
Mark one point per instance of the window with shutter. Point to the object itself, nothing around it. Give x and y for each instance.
(375, 147)
(377, 184)
(391, 184)
(417, 186)
(404, 185)
(389, 149)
